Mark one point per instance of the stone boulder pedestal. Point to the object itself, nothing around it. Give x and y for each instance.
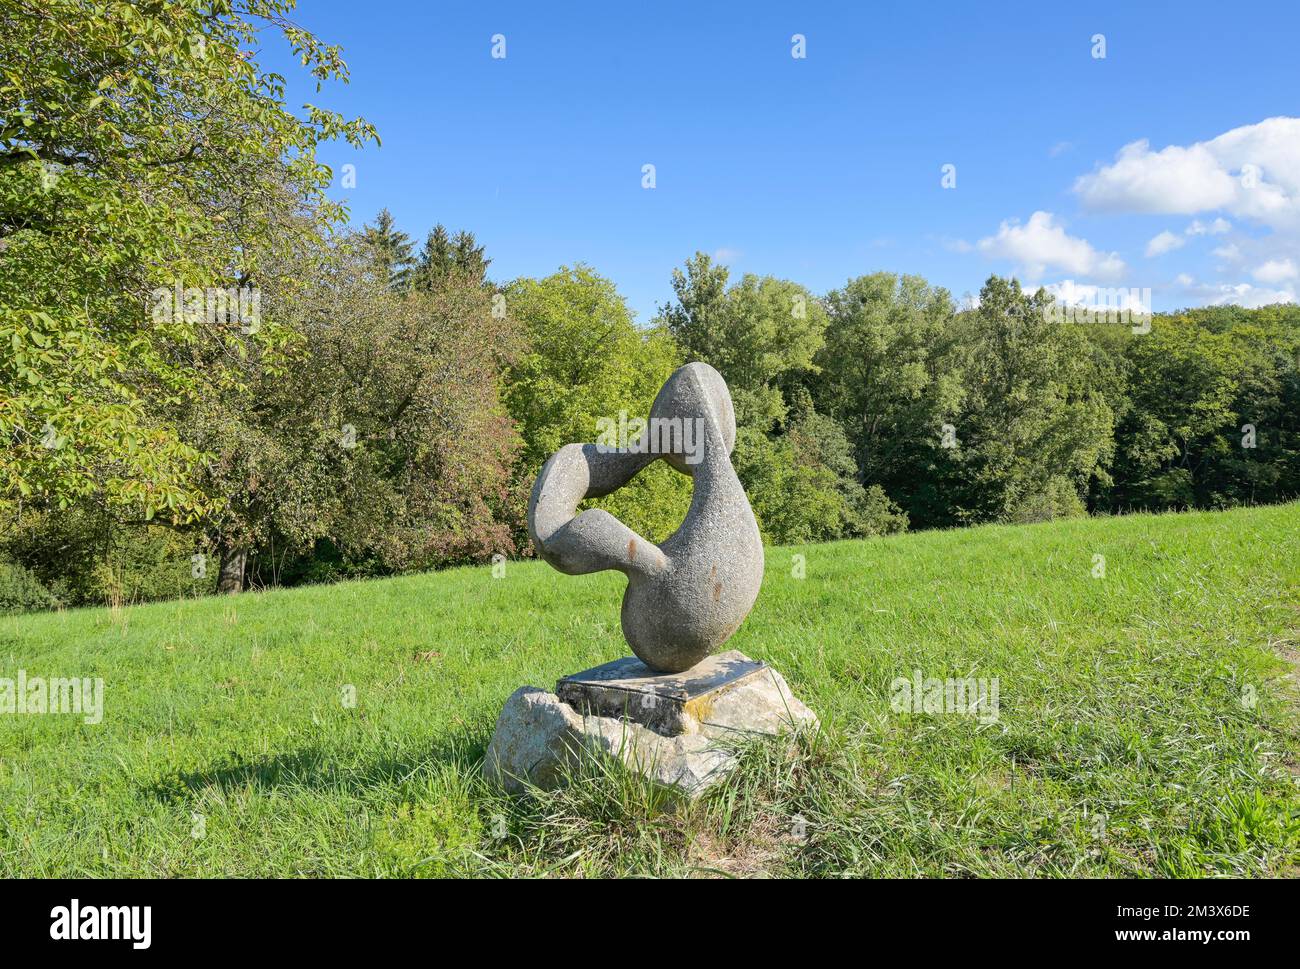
(678, 729)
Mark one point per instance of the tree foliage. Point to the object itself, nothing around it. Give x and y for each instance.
(1033, 429)
(1212, 415)
(585, 361)
(385, 437)
(888, 378)
(391, 250)
(142, 153)
(445, 257)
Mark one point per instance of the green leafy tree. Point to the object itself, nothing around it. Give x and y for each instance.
(1034, 427)
(383, 444)
(1262, 463)
(819, 442)
(698, 319)
(586, 362)
(761, 334)
(887, 374)
(143, 154)
(1181, 434)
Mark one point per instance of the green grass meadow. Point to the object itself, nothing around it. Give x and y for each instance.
(1147, 719)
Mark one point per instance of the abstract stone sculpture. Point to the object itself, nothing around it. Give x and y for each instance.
(684, 599)
(674, 713)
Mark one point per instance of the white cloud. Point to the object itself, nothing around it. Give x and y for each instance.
(1167, 241)
(1233, 294)
(726, 256)
(1172, 181)
(1252, 171)
(1164, 242)
(1041, 243)
(1216, 228)
(1276, 271)
(1251, 297)
(1070, 293)
(1231, 252)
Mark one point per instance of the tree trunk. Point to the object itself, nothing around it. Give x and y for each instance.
(231, 578)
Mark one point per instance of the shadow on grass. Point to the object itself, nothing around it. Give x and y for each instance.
(321, 769)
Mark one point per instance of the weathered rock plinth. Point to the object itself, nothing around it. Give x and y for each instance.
(671, 703)
(681, 730)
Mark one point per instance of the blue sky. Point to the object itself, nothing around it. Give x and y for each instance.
(829, 166)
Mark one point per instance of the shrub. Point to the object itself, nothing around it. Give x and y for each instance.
(20, 591)
(1058, 499)
(82, 558)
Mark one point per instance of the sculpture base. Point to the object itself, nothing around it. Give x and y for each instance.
(685, 738)
(667, 703)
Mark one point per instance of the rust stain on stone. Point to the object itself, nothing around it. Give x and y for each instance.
(700, 708)
(631, 549)
(717, 590)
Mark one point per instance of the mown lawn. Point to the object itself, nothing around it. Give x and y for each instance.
(1147, 720)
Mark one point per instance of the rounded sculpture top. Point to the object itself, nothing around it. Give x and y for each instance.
(691, 393)
(684, 599)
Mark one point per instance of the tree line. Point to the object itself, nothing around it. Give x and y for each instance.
(379, 409)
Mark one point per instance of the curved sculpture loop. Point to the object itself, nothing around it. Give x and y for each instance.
(685, 598)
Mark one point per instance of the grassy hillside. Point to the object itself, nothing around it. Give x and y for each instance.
(1146, 722)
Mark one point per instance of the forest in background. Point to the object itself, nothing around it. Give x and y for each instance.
(208, 383)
